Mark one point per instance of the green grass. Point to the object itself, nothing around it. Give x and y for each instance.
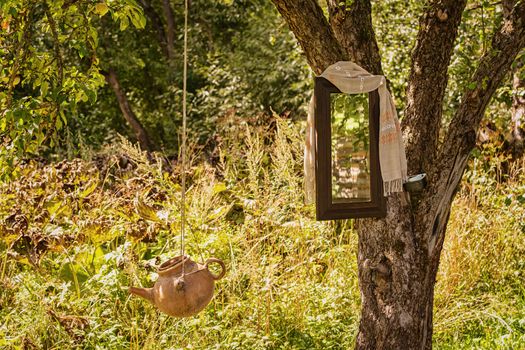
(75, 234)
(480, 293)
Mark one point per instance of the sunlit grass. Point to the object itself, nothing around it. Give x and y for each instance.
(79, 232)
(480, 292)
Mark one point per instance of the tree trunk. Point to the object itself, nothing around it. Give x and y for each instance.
(170, 21)
(127, 112)
(398, 256)
(391, 274)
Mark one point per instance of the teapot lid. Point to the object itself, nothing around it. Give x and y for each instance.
(172, 264)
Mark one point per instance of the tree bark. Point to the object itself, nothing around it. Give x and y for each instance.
(398, 256)
(352, 27)
(309, 25)
(428, 80)
(517, 122)
(127, 112)
(170, 37)
(508, 5)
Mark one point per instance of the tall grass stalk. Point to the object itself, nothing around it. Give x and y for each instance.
(292, 281)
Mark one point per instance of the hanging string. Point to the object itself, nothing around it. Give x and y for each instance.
(183, 147)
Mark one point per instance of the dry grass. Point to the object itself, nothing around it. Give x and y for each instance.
(78, 232)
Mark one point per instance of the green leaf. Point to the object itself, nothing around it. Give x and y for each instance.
(82, 51)
(101, 9)
(124, 23)
(93, 37)
(63, 116)
(58, 123)
(71, 272)
(53, 207)
(91, 94)
(3, 124)
(138, 20)
(219, 187)
(43, 88)
(145, 211)
(89, 189)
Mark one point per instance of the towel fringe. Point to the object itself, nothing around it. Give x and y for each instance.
(392, 186)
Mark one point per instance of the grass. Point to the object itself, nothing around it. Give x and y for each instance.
(480, 293)
(80, 231)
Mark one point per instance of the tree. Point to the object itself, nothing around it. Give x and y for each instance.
(399, 255)
(50, 66)
(57, 93)
(131, 118)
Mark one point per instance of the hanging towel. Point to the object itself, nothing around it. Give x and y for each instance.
(352, 79)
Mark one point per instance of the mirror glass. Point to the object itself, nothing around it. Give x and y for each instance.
(350, 148)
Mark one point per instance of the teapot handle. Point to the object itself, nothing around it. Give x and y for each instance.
(223, 267)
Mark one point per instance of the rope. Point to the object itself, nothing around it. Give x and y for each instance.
(183, 147)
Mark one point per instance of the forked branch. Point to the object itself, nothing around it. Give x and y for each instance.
(308, 22)
(460, 139)
(492, 69)
(352, 26)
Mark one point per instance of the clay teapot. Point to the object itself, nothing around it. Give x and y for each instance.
(178, 294)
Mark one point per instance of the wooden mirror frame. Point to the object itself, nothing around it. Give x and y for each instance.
(325, 208)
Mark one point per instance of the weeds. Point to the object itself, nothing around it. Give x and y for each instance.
(75, 234)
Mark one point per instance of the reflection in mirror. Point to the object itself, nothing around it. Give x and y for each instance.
(350, 148)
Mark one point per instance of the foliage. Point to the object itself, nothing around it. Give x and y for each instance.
(50, 65)
(397, 24)
(480, 298)
(478, 25)
(54, 54)
(75, 233)
(396, 39)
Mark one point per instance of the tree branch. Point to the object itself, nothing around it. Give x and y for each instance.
(129, 115)
(428, 81)
(517, 128)
(492, 69)
(352, 26)
(56, 41)
(307, 21)
(170, 39)
(461, 136)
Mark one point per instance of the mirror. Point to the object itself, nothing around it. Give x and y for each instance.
(350, 148)
(348, 180)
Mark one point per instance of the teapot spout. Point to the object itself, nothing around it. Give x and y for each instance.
(146, 293)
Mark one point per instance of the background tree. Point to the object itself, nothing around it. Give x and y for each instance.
(50, 65)
(399, 255)
(136, 48)
(228, 42)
